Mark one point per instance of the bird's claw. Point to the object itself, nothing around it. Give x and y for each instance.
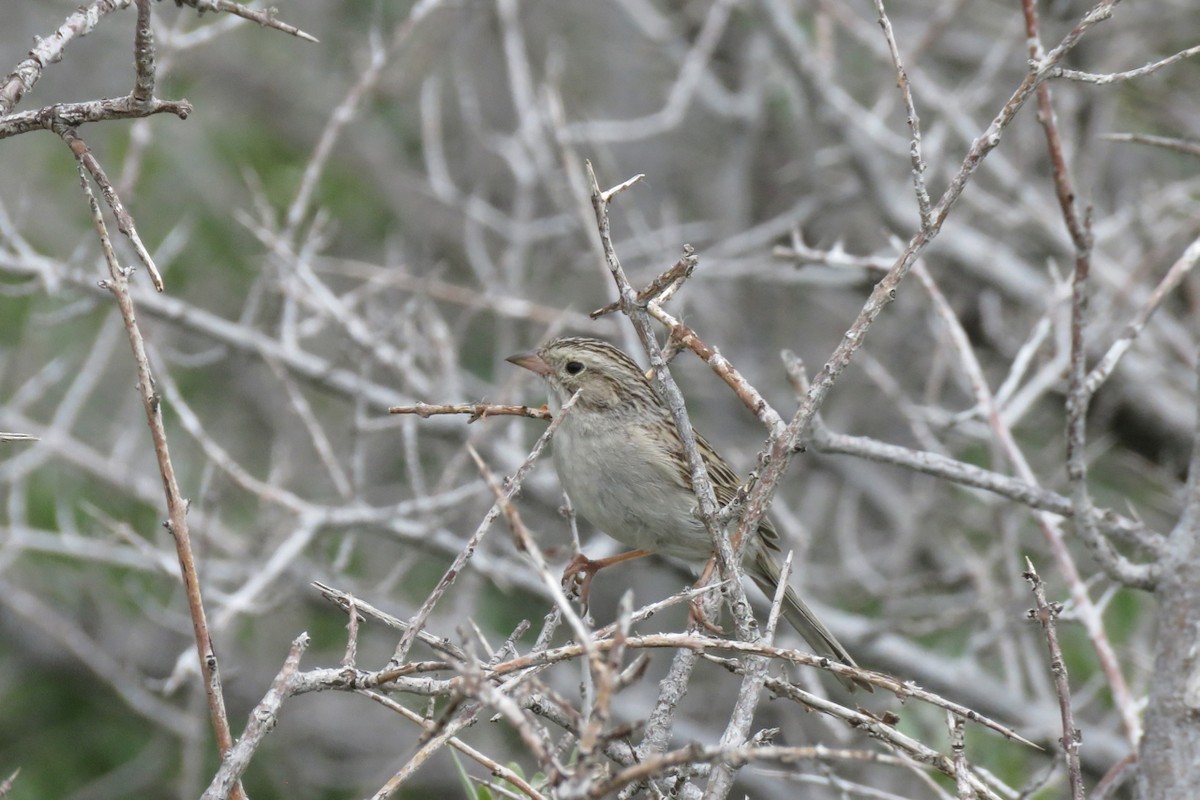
(577, 577)
(697, 617)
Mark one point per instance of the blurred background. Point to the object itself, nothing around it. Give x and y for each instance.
(382, 217)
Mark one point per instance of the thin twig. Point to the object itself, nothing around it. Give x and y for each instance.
(263, 18)
(779, 452)
(7, 784)
(118, 284)
(958, 747)
(477, 411)
(1050, 525)
(874, 727)
(143, 55)
(737, 756)
(666, 283)
(703, 644)
(1115, 778)
(914, 122)
(417, 623)
(1079, 228)
(346, 602)
(495, 767)
(350, 660)
(83, 154)
(1115, 77)
(727, 549)
(685, 336)
(262, 720)
(49, 50)
(1166, 142)
(802, 254)
(1046, 614)
(1014, 488)
(72, 115)
(1174, 277)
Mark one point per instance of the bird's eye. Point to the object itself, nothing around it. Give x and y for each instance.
(574, 367)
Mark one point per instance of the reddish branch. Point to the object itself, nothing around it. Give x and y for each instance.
(177, 524)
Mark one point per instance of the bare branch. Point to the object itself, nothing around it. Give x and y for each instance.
(118, 285)
(73, 115)
(261, 722)
(49, 50)
(660, 289)
(1046, 614)
(1115, 77)
(914, 122)
(7, 784)
(1080, 229)
(143, 55)
(477, 411)
(417, 623)
(263, 18)
(125, 225)
(1178, 145)
(1089, 613)
(1175, 275)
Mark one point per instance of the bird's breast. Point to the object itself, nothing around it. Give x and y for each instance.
(621, 478)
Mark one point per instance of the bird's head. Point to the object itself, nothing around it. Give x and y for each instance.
(605, 377)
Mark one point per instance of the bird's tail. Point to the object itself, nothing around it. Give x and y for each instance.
(765, 572)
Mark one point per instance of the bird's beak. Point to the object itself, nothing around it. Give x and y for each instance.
(532, 362)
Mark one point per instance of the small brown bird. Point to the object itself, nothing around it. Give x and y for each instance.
(620, 460)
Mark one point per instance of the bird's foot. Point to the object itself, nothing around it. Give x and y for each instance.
(697, 617)
(577, 577)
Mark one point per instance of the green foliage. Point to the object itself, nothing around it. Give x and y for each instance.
(472, 790)
(14, 320)
(1125, 614)
(277, 168)
(501, 611)
(66, 746)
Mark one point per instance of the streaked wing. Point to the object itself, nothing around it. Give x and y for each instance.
(724, 480)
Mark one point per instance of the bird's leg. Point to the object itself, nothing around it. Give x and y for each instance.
(580, 571)
(696, 615)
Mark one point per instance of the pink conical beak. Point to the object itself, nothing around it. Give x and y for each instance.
(532, 362)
